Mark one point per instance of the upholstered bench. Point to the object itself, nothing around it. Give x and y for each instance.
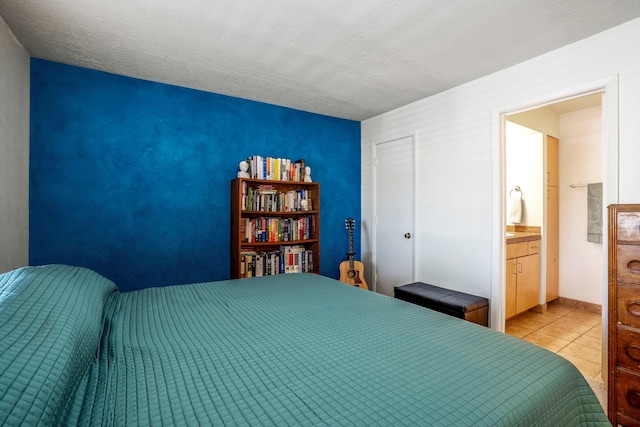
(457, 304)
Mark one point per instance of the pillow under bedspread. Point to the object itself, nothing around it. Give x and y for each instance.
(50, 329)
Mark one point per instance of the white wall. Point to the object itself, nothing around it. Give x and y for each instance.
(580, 159)
(14, 152)
(455, 152)
(525, 169)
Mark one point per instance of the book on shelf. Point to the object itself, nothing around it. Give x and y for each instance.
(296, 259)
(242, 265)
(300, 169)
(259, 264)
(289, 259)
(247, 263)
(264, 198)
(276, 168)
(277, 229)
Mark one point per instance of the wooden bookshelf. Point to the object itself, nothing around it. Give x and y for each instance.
(269, 219)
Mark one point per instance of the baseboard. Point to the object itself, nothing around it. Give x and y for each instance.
(540, 308)
(582, 305)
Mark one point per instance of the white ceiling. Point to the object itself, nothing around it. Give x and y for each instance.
(350, 59)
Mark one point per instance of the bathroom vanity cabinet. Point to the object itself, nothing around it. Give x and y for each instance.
(523, 276)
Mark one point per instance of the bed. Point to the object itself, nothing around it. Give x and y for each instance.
(294, 349)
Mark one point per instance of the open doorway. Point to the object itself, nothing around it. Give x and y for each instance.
(608, 87)
(555, 155)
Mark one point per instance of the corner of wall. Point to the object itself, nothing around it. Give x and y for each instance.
(14, 151)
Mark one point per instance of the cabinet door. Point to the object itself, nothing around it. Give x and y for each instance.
(553, 231)
(552, 161)
(510, 306)
(528, 286)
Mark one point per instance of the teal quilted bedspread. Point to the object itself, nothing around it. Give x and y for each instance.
(304, 350)
(50, 328)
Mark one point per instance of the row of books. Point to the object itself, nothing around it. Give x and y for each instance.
(276, 169)
(289, 259)
(267, 199)
(266, 229)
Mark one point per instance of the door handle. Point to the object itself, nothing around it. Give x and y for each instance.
(407, 235)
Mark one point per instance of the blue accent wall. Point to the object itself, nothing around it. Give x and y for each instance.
(132, 178)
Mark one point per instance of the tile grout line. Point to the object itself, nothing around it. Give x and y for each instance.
(570, 342)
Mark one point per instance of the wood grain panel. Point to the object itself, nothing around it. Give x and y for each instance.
(628, 264)
(629, 227)
(629, 306)
(628, 394)
(515, 250)
(629, 348)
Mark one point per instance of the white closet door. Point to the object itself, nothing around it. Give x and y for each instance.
(393, 249)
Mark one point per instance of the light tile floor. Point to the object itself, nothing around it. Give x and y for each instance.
(569, 332)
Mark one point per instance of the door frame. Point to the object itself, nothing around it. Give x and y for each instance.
(608, 86)
(374, 204)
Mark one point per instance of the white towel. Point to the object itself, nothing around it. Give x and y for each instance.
(515, 207)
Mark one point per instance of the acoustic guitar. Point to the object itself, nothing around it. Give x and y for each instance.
(351, 271)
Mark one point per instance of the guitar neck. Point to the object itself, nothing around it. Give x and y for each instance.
(352, 274)
(351, 253)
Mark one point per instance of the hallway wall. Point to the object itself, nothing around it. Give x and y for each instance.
(580, 158)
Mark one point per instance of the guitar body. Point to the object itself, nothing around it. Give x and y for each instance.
(355, 276)
(352, 271)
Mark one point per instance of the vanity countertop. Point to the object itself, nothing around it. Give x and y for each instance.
(518, 237)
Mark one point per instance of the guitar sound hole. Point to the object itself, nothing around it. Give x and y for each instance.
(634, 266)
(351, 274)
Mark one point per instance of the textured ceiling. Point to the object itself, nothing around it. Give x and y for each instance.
(350, 59)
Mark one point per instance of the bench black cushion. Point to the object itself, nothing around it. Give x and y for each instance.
(458, 304)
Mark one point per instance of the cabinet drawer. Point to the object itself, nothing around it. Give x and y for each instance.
(515, 250)
(629, 306)
(628, 264)
(629, 348)
(628, 394)
(629, 226)
(533, 247)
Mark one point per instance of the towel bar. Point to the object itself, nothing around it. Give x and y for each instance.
(516, 189)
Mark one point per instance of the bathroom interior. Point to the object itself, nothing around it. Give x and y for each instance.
(554, 213)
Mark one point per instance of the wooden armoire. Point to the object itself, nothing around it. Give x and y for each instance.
(624, 315)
